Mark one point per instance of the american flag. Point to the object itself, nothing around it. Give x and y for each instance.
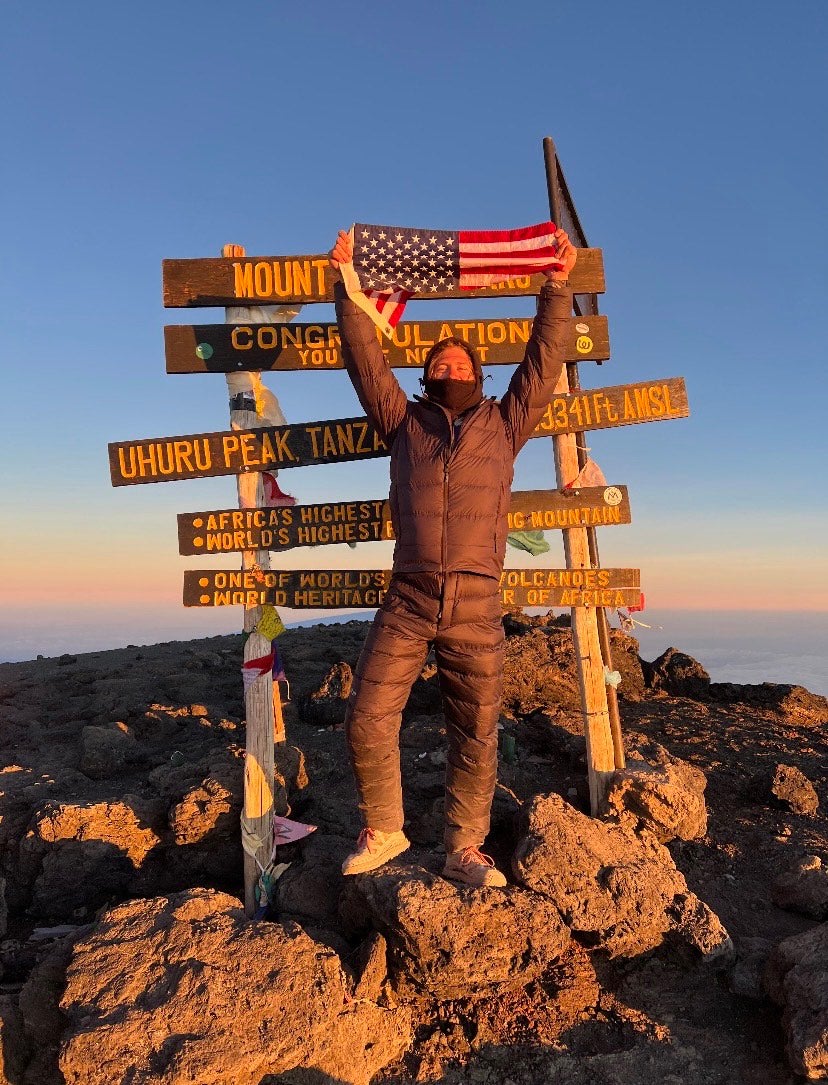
(392, 263)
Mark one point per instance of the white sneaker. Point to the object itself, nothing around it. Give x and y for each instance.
(373, 849)
(470, 866)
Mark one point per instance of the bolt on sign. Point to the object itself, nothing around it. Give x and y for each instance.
(289, 280)
(233, 452)
(223, 531)
(228, 348)
(333, 589)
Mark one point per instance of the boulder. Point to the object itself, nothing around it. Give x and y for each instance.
(205, 825)
(108, 751)
(371, 967)
(616, 889)
(803, 889)
(311, 886)
(787, 788)
(663, 792)
(796, 978)
(678, 674)
(795, 703)
(325, 706)
(185, 989)
(456, 942)
(539, 672)
(745, 978)
(78, 856)
(626, 660)
(14, 1051)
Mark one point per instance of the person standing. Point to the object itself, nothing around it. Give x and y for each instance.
(452, 464)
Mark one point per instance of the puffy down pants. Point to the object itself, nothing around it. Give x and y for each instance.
(460, 614)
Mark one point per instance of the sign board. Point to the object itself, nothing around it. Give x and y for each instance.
(229, 348)
(234, 452)
(289, 280)
(332, 589)
(223, 531)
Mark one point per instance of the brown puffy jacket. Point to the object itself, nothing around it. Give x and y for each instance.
(450, 482)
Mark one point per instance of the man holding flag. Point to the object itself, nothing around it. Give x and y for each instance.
(452, 464)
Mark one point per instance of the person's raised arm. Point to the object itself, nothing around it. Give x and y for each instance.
(378, 390)
(534, 380)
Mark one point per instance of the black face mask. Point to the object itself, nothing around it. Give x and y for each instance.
(452, 394)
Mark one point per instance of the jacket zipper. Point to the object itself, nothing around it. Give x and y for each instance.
(444, 541)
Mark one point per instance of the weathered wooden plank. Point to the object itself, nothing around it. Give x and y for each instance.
(233, 452)
(332, 589)
(618, 405)
(229, 348)
(304, 279)
(224, 531)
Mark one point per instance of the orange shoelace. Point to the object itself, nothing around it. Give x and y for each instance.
(474, 855)
(366, 838)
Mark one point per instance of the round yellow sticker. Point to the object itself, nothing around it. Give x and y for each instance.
(583, 344)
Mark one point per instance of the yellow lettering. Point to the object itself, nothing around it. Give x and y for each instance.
(132, 469)
(230, 445)
(237, 338)
(263, 279)
(248, 450)
(301, 277)
(243, 280)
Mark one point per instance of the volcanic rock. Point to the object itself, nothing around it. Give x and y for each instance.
(626, 660)
(678, 674)
(803, 889)
(617, 889)
(154, 994)
(539, 671)
(453, 941)
(796, 977)
(796, 703)
(745, 978)
(787, 788)
(311, 886)
(371, 967)
(79, 856)
(663, 792)
(107, 751)
(325, 706)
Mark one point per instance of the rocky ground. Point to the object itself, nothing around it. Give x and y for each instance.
(681, 939)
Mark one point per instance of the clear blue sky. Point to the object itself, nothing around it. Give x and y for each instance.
(693, 138)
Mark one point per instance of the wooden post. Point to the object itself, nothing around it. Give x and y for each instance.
(589, 659)
(259, 697)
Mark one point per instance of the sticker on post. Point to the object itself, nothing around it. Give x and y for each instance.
(613, 496)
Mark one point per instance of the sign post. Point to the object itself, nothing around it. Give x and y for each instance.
(260, 294)
(605, 752)
(259, 698)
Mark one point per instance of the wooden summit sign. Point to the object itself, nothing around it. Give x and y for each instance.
(224, 531)
(233, 452)
(229, 348)
(291, 280)
(343, 588)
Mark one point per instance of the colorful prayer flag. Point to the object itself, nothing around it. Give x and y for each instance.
(392, 263)
(255, 668)
(274, 496)
(270, 624)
